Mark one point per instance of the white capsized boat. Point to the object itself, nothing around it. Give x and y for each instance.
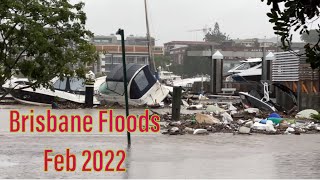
(143, 87)
(67, 89)
(248, 70)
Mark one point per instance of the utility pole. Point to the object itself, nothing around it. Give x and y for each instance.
(151, 56)
(121, 33)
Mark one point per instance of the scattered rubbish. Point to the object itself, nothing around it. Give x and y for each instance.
(232, 108)
(274, 115)
(175, 123)
(284, 124)
(195, 107)
(257, 119)
(215, 109)
(233, 113)
(307, 113)
(206, 119)
(200, 131)
(270, 128)
(275, 120)
(291, 121)
(259, 126)
(240, 121)
(244, 130)
(263, 121)
(226, 118)
(252, 110)
(174, 131)
(290, 130)
(189, 130)
(249, 124)
(184, 103)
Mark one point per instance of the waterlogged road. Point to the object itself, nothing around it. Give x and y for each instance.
(160, 156)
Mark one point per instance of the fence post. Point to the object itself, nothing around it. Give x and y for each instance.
(176, 103)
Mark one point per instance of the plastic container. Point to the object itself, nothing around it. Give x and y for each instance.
(263, 121)
(290, 121)
(274, 115)
(275, 120)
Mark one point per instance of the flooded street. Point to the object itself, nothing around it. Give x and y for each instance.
(162, 156)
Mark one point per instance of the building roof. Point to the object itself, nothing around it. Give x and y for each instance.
(191, 43)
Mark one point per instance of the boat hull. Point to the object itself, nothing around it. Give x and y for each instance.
(238, 78)
(251, 101)
(156, 94)
(43, 96)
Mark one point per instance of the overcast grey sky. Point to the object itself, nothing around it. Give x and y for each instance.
(172, 19)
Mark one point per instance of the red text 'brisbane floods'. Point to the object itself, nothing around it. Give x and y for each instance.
(50, 123)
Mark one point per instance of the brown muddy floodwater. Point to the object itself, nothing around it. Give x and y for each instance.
(162, 156)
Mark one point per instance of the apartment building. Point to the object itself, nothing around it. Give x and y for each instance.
(110, 50)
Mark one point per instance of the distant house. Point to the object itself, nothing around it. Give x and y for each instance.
(177, 50)
(246, 42)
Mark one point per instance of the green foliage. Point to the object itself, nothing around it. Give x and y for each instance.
(215, 35)
(41, 39)
(316, 117)
(296, 15)
(161, 61)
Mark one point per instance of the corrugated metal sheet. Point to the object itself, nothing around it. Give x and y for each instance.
(287, 66)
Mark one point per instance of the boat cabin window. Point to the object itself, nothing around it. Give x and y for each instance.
(141, 83)
(77, 84)
(141, 80)
(60, 84)
(112, 87)
(248, 65)
(103, 88)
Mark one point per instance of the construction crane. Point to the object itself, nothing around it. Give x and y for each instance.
(205, 30)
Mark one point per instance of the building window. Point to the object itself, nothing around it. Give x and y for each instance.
(107, 60)
(141, 60)
(108, 68)
(130, 59)
(117, 60)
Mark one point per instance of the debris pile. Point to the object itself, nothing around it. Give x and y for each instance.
(229, 119)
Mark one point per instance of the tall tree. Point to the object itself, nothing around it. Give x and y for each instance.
(41, 39)
(215, 35)
(162, 61)
(296, 15)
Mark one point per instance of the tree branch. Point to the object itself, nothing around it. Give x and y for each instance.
(17, 58)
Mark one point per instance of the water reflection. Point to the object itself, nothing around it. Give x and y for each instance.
(127, 162)
(297, 163)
